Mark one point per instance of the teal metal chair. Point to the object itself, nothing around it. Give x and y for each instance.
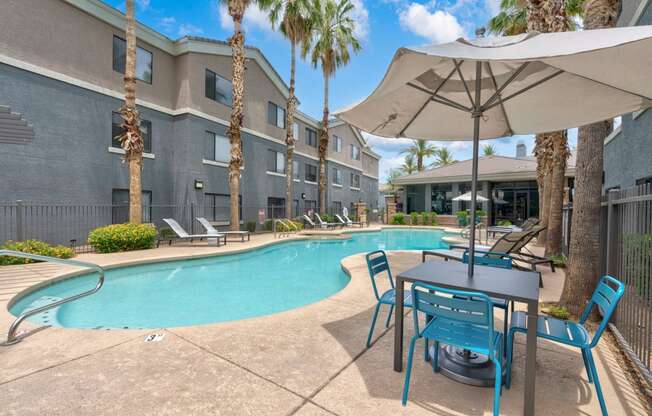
(606, 298)
(458, 318)
(377, 263)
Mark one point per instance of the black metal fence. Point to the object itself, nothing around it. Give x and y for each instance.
(627, 255)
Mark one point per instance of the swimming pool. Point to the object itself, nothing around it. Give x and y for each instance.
(216, 289)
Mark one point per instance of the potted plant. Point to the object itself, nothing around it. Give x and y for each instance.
(462, 218)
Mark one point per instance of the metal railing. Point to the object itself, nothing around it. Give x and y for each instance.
(627, 255)
(12, 338)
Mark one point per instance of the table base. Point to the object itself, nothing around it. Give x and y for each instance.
(465, 366)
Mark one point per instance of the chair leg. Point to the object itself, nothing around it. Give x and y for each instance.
(505, 328)
(408, 370)
(510, 352)
(596, 382)
(435, 357)
(586, 366)
(373, 323)
(389, 316)
(498, 385)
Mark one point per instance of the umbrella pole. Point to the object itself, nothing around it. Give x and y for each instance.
(477, 114)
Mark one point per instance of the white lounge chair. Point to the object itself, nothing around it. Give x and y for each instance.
(324, 224)
(183, 234)
(348, 223)
(346, 217)
(210, 229)
(309, 221)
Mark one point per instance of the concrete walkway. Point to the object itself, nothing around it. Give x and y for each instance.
(307, 361)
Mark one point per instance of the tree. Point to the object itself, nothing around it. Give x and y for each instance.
(330, 48)
(236, 9)
(420, 149)
(560, 153)
(408, 167)
(131, 138)
(393, 174)
(443, 157)
(292, 18)
(488, 150)
(584, 251)
(513, 16)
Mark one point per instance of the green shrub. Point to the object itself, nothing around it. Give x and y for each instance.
(122, 237)
(398, 219)
(559, 260)
(251, 226)
(267, 226)
(425, 218)
(166, 232)
(504, 223)
(327, 218)
(414, 218)
(433, 218)
(34, 247)
(298, 225)
(558, 312)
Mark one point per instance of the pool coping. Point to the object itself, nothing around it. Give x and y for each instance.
(131, 263)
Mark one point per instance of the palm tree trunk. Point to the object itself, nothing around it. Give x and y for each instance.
(132, 141)
(323, 148)
(559, 156)
(236, 9)
(289, 134)
(584, 252)
(543, 152)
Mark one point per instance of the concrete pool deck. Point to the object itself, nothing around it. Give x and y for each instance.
(307, 361)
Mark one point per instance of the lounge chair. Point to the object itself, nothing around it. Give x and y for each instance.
(183, 235)
(309, 221)
(360, 223)
(504, 245)
(352, 223)
(347, 223)
(212, 230)
(324, 224)
(504, 229)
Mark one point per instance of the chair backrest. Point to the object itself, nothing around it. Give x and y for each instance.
(534, 231)
(176, 227)
(307, 218)
(455, 306)
(321, 222)
(507, 242)
(487, 258)
(529, 223)
(340, 219)
(606, 297)
(346, 217)
(207, 225)
(376, 264)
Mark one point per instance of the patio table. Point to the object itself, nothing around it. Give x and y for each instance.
(516, 285)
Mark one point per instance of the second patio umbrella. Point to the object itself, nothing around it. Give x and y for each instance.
(531, 83)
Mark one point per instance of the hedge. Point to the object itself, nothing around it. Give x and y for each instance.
(122, 237)
(34, 247)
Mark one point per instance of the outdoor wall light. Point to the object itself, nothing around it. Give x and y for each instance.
(303, 195)
(199, 184)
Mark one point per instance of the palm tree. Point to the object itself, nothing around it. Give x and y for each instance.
(329, 46)
(408, 167)
(131, 139)
(292, 18)
(420, 149)
(488, 150)
(584, 251)
(513, 16)
(443, 157)
(236, 9)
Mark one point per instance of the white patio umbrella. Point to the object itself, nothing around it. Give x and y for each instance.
(469, 197)
(532, 83)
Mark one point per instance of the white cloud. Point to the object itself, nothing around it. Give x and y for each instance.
(360, 15)
(186, 29)
(143, 4)
(167, 23)
(437, 26)
(493, 6)
(254, 18)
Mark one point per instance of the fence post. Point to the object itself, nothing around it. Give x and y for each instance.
(192, 218)
(610, 229)
(20, 225)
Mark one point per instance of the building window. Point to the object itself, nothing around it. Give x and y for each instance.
(295, 130)
(275, 207)
(355, 180)
(309, 206)
(355, 152)
(143, 60)
(295, 207)
(217, 207)
(442, 199)
(337, 207)
(337, 176)
(218, 147)
(275, 115)
(218, 89)
(311, 173)
(120, 206)
(337, 144)
(295, 169)
(275, 161)
(311, 137)
(644, 181)
(117, 131)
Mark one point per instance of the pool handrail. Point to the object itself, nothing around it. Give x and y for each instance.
(11, 334)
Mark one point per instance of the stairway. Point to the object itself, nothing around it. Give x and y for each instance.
(13, 128)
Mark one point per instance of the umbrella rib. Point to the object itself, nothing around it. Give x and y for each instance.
(425, 104)
(529, 87)
(466, 87)
(502, 107)
(507, 82)
(445, 101)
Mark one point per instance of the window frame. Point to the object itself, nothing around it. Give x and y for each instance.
(213, 206)
(276, 156)
(309, 136)
(353, 157)
(213, 155)
(355, 176)
(119, 71)
(337, 143)
(296, 166)
(307, 172)
(215, 76)
(337, 176)
(277, 111)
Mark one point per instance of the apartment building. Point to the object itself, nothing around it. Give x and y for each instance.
(61, 87)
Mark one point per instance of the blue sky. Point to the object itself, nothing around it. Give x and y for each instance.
(382, 26)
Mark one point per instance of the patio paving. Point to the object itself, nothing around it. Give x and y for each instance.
(307, 361)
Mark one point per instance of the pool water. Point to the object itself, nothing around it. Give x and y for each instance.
(216, 289)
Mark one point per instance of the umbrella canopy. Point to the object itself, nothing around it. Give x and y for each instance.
(531, 83)
(525, 84)
(467, 197)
